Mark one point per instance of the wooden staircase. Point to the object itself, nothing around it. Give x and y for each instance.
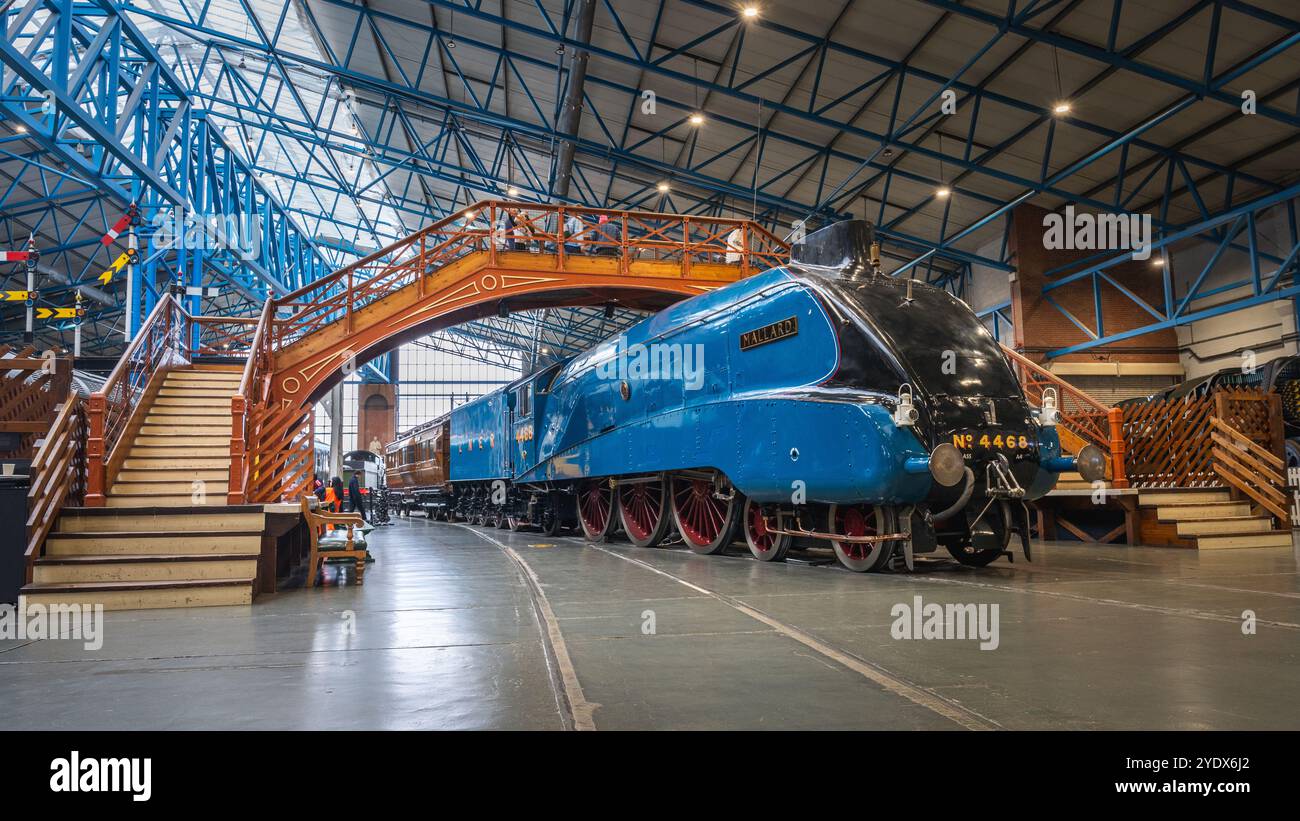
(1206, 519)
(181, 454)
(165, 537)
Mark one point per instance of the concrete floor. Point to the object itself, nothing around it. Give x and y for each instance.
(450, 635)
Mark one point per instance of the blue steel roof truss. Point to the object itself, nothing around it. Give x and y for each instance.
(440, 132)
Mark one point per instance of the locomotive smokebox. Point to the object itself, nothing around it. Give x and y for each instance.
(845, 245)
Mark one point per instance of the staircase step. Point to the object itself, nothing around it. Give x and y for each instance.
(180, 444)
(204, 402)
(172, 487)
(217, 391)
(170, 472)
(205, 373)
(120, 499)
(235, 370)
(140, 543)
(170, 427)
(1209, 510)
(1072, 481)
(160, 408)
(1183, 496)
(195, 389)
(153, 567)
(1234, 524)
(1225, 541)
(184, 462)
(197, 519)
(142, 595)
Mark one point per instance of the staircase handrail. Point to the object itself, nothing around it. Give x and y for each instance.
(1091, 420)
(1249, 468)
(244, 403)
(57, 476)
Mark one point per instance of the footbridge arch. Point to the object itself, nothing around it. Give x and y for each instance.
(494, 256)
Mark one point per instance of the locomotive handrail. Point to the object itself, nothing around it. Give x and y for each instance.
(1089, 419)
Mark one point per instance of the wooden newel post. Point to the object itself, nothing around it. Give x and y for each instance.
(560, 237)
(1119, 478)
(235, 490)
(745, 241)
(95, 450)
(686, 247)
(625, 248)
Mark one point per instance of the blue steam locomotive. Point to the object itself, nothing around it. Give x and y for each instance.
(821, 402)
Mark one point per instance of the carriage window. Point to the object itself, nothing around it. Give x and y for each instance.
(524, 405)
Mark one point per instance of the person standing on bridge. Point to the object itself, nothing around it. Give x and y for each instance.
(735, 244)
(573, 231)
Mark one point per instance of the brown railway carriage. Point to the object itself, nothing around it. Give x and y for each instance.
(418, 469)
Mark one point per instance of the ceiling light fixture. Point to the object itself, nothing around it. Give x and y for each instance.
(1061, 108)
(942, 192)
(750, 12)
(663, 187)
(697, 119)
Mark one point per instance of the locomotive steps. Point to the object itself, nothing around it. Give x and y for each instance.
(165, 538)
(1207, 519)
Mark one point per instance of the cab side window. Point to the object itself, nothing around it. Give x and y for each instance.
(524, 401)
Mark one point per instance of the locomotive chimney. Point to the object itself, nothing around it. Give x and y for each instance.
(849, 245)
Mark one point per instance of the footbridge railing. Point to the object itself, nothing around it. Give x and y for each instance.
(496, 229)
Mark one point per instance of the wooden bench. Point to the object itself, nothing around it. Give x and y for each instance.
(324, 545)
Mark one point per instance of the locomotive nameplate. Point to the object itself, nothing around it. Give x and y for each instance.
(769, 333)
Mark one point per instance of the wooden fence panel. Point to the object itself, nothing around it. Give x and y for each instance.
(1168, 442)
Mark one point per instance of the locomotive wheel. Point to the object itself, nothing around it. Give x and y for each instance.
(707, 524)
(862, 520)
(550, 522)
(503, 522)
(515, 524)
(596, 510)
(642, 507)
(763, 543)
(1293, 449)
(973, 557)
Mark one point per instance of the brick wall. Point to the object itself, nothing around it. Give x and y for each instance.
(1040, 327)
(376, 415)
